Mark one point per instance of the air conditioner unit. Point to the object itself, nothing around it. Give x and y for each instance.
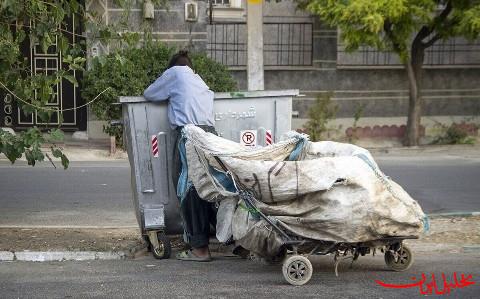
(148, 10)
(191, 12)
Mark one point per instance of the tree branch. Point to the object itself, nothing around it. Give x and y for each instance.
(431, 41)
(423, 33)
(434, 26)
(444, 14)
(387, 27)
(50, 159)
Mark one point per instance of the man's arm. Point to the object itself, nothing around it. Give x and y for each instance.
(160, 89)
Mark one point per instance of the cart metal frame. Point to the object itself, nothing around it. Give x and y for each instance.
(298, 270)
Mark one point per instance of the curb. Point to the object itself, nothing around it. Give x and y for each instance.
(59, 256)
(453, 214)
(137, 250)
(141, 249)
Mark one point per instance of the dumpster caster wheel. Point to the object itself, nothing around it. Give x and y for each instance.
(400, 260)
(160, 245)
(297, 270)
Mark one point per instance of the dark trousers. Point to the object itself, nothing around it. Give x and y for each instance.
(197, 213)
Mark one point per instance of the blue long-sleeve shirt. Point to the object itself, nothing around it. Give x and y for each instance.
(190, 99)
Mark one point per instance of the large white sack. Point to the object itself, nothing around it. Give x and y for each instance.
(336, 192)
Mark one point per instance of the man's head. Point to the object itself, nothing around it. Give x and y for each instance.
(181, 58)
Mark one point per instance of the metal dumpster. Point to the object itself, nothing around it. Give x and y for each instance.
(254, 118)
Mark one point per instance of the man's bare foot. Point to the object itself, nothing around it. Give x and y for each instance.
(201, 252)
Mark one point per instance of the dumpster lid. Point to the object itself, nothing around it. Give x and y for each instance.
(257, 94)
(231, 95)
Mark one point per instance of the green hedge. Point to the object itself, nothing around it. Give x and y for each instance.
(129, 71)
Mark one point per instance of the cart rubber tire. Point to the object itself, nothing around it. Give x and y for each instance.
(405, 260)
(165, 249)
(297, 270)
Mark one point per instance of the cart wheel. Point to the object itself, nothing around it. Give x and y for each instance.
(164, 249)
(297, 270)
(402, 261)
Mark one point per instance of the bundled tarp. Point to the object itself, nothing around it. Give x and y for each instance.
(325, 191)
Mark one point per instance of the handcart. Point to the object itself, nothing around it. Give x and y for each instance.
(299, 198)
(297, 268)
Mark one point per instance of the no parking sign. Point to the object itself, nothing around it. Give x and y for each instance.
(248, 138)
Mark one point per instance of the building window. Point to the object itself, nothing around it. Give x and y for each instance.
(227, 11)
(224, 3)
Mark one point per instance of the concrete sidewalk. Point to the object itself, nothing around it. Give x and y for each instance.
(79, 152)
(464, 151)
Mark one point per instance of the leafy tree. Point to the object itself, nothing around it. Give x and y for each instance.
(406, 27)
(129, 70)
(42, 23)
(35, 22)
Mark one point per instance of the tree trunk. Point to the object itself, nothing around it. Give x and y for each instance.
(414, 71)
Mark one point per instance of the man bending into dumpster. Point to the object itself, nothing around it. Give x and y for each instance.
(190, 101)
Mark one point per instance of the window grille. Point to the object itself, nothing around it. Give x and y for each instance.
(285, 44)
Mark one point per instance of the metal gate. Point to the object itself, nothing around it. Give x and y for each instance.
(66, 95)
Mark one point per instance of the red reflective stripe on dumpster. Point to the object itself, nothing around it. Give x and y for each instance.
(155, 146)
(268, 137)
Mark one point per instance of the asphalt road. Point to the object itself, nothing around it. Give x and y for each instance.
(98, 193)
(87, 193)
(439, 185)
(230, 278)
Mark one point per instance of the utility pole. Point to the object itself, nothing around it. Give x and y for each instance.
(255, 72)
